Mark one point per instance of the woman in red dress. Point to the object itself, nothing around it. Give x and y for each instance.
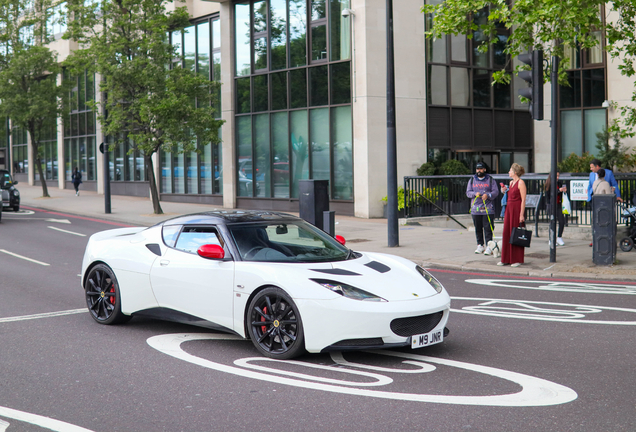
(514, 217)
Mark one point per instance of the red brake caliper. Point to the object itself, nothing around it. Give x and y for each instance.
(263, 328)
(112, 298)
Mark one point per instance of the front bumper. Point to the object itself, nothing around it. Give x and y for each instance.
(331, 324)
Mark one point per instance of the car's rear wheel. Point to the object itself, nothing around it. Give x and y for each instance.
(274, 324)
(102, 296)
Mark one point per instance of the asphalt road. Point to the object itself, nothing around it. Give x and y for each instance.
(522, 355)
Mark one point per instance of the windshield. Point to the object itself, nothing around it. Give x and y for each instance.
(286, 242)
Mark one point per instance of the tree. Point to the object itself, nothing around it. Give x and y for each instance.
(30, 94)
(613, 156)
(553, 26)
(152, 100)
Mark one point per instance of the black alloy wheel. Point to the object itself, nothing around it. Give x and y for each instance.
(102, 296)
(627, 244)
(274, 324)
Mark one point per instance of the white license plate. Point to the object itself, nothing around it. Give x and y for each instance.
(426, 339)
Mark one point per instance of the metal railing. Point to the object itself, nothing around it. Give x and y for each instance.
(429, 195)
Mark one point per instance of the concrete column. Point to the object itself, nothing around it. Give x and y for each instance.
(369, 110)
(99, 156)
(227, 105)
(31, 158)
(61, 168)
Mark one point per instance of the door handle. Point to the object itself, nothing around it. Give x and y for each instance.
(164, 263)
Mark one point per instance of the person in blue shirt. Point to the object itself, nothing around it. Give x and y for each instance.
(595, 165)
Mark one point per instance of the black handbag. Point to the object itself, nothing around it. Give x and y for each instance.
(520, 236)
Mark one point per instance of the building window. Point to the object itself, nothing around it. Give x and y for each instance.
(199, 48)
(469, 117)
(79, 128)
(48, 152)
(56, 21)
(580, 102)
(293, 97)
(20, 151)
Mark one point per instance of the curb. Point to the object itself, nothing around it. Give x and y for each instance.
(529, 272)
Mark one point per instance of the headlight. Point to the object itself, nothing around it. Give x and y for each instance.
(16, 193)
(348, 291)
(430, 279)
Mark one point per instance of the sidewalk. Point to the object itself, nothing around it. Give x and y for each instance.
(449, 248)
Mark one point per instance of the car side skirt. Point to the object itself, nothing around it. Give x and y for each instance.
(172, 315)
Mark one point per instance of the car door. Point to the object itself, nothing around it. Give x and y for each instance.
(183, 281)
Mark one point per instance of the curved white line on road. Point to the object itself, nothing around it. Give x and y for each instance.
(42, 315)
(43, 422)
(422, 367)
(578, 287)
(535, 391)
(379, 379)
(24, 258)
(488, 308)
(20, 213)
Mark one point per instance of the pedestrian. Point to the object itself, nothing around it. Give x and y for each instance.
(482, 190)
(515, 217)
(77, 180)
(595, 165)
(600, 185)
(560, 217)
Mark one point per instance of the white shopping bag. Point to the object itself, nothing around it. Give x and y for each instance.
(565, 205)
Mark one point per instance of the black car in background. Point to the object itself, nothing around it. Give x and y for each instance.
(10, 195)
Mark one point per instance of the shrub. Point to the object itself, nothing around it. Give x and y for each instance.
(575, 163)
(454, 167)
(427, 169)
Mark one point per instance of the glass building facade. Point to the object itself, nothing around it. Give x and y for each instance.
(199, 172)
(48, 152)
(293, 97)
(80, 129)
(469, 117)
(19, 151)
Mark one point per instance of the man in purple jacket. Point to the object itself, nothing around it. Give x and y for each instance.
(482, 190)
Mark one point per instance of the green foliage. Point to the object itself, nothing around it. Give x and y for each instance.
(454, 167)
(152, 100)
(613, 156)
(427, 169)
(576, 164)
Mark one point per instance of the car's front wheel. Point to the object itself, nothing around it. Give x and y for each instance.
(274, 324)
(102, 296)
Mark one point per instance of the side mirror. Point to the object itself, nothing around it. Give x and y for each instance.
(340, 239)
(15, 182)
(211, 251)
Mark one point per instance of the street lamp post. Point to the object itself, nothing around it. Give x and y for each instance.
(554, 82)
(391, 146)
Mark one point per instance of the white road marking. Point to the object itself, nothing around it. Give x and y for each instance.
(3, 425)
(24, 258)
(523, 309)
(545, 285)
(534, 392)
(19, 213)
(42, 315)
(67, 232)
(62, 221)
(43, 422)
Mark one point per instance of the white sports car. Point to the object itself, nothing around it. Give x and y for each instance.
(269, 277)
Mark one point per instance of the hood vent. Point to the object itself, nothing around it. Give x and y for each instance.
(340, 272)
(378, 266)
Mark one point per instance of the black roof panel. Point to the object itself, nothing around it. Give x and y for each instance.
(229, 216)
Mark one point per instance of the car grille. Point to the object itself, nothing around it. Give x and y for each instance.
(360, 342)
(416, 325)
